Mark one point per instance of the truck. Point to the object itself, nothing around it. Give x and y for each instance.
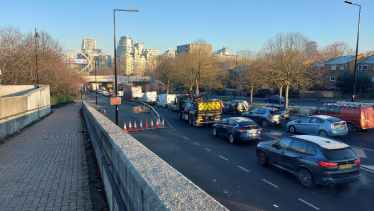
(132, 92)
(166, 99)
(198, 111)
(150, 97)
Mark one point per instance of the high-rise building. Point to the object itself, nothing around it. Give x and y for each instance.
(170, 53)
(311, 47)
(89, 44)
(194, 48)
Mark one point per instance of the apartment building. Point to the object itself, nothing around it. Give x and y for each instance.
(366, 66)
(194, 49)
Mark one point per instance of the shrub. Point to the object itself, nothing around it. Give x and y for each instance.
(60, 100)
(295, 110)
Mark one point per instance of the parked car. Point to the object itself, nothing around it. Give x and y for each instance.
(274, 99)
(236, 107)
(237, 129)
(357, 117)
(265, 116)
(313, 159)
(284, 110)
(322, 125)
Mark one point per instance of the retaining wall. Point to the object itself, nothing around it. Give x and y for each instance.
(143, 180)
(19, 111)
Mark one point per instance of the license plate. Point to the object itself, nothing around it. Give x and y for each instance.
(286, 115)
(347, 166)
(251, 131)
(341, 127)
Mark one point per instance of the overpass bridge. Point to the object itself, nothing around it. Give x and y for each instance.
(109, 79)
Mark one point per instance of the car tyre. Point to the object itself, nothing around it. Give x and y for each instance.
(215, 132)
(231, 138)
(190, 120)
(305, 178)
(261, 157)
(292, 129)
(322, 133)
(194, 122)
(264, 123)
(351, 127)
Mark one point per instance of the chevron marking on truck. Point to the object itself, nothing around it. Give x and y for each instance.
(203, 106)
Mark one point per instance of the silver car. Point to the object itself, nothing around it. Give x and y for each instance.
(322, 125)
(265, 116)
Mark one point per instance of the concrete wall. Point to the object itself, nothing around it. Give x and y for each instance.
(10, 89)
(19, 111)
(144, 180)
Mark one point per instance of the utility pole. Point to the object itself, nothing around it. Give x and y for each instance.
(36, 60)
(96, 83)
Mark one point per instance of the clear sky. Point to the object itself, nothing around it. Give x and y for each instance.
(162, 24)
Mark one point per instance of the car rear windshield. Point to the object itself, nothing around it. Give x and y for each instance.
(339, 154)
(333, 119)
(248, 124)
(276, 112)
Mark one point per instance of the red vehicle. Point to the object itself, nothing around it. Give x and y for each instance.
(356, 115)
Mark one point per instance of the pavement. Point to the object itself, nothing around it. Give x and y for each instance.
(44, 167)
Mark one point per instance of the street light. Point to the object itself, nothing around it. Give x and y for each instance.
(36, 61)
(96, 83)
(115, 56)
(358, 35)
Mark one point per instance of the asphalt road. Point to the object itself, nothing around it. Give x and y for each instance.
(232, 175)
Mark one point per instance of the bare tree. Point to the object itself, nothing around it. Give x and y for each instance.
(165, 71)
(253, 76)
(334, 50)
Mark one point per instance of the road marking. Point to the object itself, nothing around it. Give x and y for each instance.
(309, 204)
(208, 149)
(363, 148)
(185, 137)
(173, 129)
(223, 158)
(367, 168)
(270, 136)
(270, 183)
(243, 168)
(359, 152)
(196, 143)
(178, 133)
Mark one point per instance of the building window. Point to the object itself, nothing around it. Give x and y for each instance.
(341, 67)
(363, 68)
(333, 67)
(332, 78)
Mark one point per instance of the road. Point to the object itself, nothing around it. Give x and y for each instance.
(232, 175)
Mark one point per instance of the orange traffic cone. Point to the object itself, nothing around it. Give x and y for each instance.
(130, 128)
(146, 124)
(124, 127)
(163, 123)
(104, 111)
(141, 125)
(135, 128)
(152, 124)
(157, 124)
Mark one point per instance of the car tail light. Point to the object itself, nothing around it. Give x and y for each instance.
(332, 127)
(327, 164)
(358, 160)
(260, 129)
(271, 115)
(242, 131)
(218, 116)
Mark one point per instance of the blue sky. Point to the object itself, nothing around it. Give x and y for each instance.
(161, 24)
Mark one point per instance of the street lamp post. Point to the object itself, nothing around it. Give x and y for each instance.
(115, 56)
(95, 83)
(36, 61)
(358, 35)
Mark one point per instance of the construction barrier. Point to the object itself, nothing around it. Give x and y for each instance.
(159, 125)
(140, 109)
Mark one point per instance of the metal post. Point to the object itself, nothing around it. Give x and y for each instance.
(95, 83)
(354, 73)
(115, 64)
(36, 61)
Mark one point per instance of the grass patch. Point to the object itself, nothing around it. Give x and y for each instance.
(61, 100)
(295, 110)
(253, 106)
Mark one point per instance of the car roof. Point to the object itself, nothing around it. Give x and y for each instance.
(241, 119)
(323, 142)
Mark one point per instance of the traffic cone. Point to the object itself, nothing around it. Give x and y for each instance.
(146, 124)
(124, 127)
(104, 111)
(130, 128)
(135, 128)
(157, 124)
(141, 125)
(163, 123)
(152, 124)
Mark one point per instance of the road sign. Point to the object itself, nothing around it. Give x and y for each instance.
(115, 101)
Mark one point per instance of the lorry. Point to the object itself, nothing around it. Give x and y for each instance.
(150, 97)
(166, 99)
(198, 111)
(132, 92)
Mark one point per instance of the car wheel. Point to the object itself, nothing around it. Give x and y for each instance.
(261, 157)
(190, 120)
(264, 123)
(306, 178)
(179, 115)
(292, 129)
(351, 127)
(323, 133)
(215, 132)
(194, 122)
(231, 139)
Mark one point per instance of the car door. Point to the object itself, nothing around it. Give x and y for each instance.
(314, 126)
(293, 156)
(252, 114)
(302, 125)
(220, 126)
(279, 150)
(229, 127)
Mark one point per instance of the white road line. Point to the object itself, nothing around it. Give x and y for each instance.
(196, 143)
(362, 148)
(178, 133)
(309, 204)
(223, 158)
(269, 183)
(243, 168)
(270, 136)
(173, 129)
(185, 137)
(208, 149)
(363, 168)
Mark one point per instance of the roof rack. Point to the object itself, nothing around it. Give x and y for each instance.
(349, 104)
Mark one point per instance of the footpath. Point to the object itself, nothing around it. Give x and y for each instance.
(44, 167)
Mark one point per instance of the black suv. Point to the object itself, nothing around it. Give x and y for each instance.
(236, 107)
(312, 159)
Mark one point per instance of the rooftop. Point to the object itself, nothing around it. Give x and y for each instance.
(341, 60)
(367, 60)
(323, 142)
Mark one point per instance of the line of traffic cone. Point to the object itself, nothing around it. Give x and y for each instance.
(159, 125)
(141, 125)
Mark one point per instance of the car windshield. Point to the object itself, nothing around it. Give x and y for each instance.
(248, 124)
(339, 154)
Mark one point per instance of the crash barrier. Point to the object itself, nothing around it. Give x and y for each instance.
(152, 111)
(158, 123)
(24, 106)
(141, 179)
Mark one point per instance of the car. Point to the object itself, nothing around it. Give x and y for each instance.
(284, 110)
(265, 116)
(322, 125)
(357, 116)
(235, 107)
(274, 99)
(237, 129)
(312, 159)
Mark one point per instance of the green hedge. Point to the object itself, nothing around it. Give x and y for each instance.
(61, 100)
